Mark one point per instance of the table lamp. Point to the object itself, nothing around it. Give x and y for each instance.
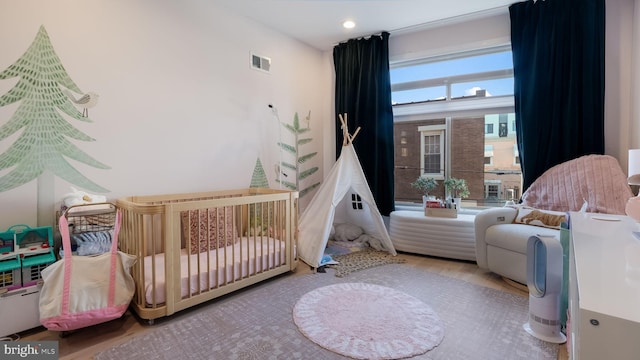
(633, 204)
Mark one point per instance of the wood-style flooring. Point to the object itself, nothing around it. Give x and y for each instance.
(83, 343)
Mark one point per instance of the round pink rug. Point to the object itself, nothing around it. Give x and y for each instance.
(367, 321)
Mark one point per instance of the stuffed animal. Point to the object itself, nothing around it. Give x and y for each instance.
(347, 232)
(551, 220)
(77, 197)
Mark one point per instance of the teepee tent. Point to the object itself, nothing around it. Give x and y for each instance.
(343, 197)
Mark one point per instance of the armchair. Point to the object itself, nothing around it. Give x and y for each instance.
(501, 243)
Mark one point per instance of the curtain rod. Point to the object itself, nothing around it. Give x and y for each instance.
(361, 37)
(452, 20)
(438, 23)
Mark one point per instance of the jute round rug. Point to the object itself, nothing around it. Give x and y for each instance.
(367, 321)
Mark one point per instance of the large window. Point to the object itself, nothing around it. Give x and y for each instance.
(456, 116)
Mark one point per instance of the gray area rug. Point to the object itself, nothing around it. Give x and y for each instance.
(256, 323)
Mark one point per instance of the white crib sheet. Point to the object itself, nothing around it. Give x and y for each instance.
(246, 257)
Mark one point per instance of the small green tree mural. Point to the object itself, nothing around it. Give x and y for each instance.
(294, 150)
(256, 211)
(259, 177)
(43, 144)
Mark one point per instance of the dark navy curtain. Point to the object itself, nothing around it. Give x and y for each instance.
(363, 92)
(558, 65)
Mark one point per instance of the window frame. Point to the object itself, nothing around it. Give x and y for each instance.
(488, 191)
(451, 108)
(448, 81)
(488, 129)
(488, 153)
(432, 130)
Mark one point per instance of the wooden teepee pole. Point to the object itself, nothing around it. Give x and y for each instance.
(346, 138)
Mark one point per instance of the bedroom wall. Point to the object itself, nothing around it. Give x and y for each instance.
(621, 123)
(180, 109)
(464, 33)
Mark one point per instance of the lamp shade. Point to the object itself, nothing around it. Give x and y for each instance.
(634, 167)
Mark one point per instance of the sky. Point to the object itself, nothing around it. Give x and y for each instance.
(469, 65)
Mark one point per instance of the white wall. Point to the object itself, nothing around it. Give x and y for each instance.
(452, 36)
(621, 129)
(180, 108)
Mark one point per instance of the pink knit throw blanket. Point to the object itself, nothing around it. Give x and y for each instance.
(596, 179)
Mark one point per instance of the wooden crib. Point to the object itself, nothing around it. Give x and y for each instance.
(194, 247)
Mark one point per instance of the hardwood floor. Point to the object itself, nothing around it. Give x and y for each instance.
(83, 343)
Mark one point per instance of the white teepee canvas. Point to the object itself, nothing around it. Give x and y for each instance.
(343, 197)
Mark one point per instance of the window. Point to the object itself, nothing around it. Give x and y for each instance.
(356, 202)
(482, 75)
(512, 194)
(488, 128)
(488, 154)
(431, 151)
(462, 107)
(502, 126)
(491, 191)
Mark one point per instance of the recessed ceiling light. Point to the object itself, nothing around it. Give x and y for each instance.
(348, 24)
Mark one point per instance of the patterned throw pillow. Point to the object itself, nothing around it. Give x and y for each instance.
(545, 218)
(221, 228)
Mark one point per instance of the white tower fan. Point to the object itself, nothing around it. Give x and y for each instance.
(544, 280)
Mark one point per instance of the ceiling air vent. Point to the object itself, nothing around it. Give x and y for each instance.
(260, 63)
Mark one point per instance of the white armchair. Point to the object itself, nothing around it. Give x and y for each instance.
(501, 244)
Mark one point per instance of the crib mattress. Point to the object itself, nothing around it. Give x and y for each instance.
(412, 231)
(199, 272)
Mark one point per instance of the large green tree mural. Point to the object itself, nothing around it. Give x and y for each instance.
(43, 146)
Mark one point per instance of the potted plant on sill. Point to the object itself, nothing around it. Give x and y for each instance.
(424, 185)
(458, 189)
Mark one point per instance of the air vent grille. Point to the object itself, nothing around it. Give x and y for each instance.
(260, 63)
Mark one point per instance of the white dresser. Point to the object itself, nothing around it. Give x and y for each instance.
(604, 287)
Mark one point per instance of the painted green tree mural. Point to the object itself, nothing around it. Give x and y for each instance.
(256, 224)
(259, 177)
(300, 160)
(43, 147)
